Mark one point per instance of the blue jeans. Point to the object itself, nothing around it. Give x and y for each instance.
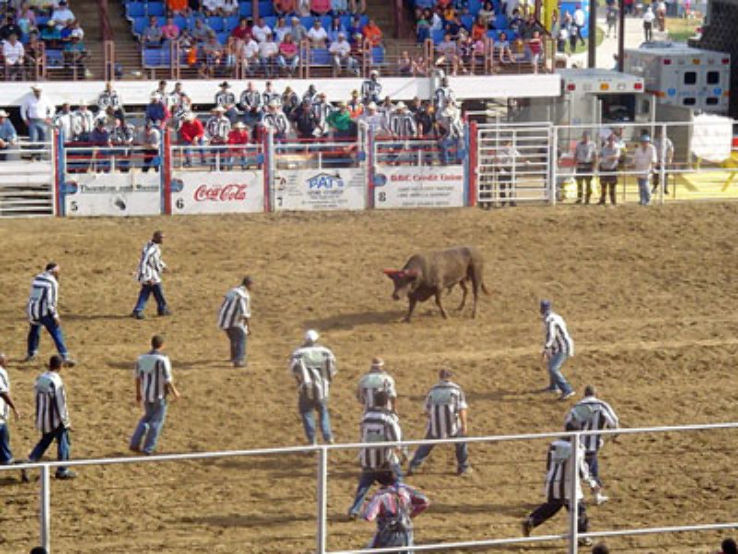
(389, 537)
(143, 297)
(446, 144)
(462, 454)
(557, 379)
(237, 336)
(6, 455)
(644, 191)
(594, 467)
(36, 130)
(54, 329)
(150, 425)
(290, 65)
(61, 434)
(188, 152)
(306, 407)
(367, 478)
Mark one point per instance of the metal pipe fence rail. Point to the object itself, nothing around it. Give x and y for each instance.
(572, 537)
(27, 179)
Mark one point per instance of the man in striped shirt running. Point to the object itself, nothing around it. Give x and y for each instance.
(446, 408)
(557, 348)
(558, 486)
(379, 424)
(377, 379)
(153, 384)
(42, 310)
(234, 318)
(593, 414)
(6, 404)
(52, 416)
(313, 367)
(150, 268)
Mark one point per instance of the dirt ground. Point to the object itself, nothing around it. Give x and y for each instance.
(649, 296)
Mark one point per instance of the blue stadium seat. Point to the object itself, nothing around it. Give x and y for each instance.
(223, 37)
(320, 56)
(475, 6)
(139, 24)
(377, 55)
(467, 21)
(42, 20)
(54, 58)
(363, 20)
(424, 3)
(266, 8)
(231, 22)
(437, 35)
(155, 8)
(501, 21)
(493, 34)
(270, 20)
(306, 22)
(215, 23)
(326, 20)
(181, 22)
(156, 57)
(244, 9)
(133, 10)
(346, 21)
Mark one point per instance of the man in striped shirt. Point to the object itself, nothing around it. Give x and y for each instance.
(52, 416)
(313, 367)
(153, 384)
(234, 318)
(557, 348)
(593, 414)
(558, 486)
(374, 381)
(6, 404)
(378, 424)
(42, 311)
(150, 268)
(371, 90)
(446, 408)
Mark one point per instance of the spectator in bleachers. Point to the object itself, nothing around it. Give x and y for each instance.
(156, 111)
(13, 56)
(530, 26)
(479, 29)
(249, 56)
(453, 27)
(290, 101)
(26, 12)
(280, 30)
(10, 28)
(436, 20)
(260, 30)
(237, 137)
(578, 22)
(535, 47)
(51, 33)
(63, 121)
(317, 34)
(342, 58)
(201, 30)
(358, 6)
(212, 57)
(211, 8)
(305, 121)
(288, 55)
(152, 35)
(448, 54)
(372, 33)
(268, 51)
(33, 50)
(230, 53)
(192, 133)
(422, 26)
(298, 30)
(504, 53)
(75, 53)
(339, 7)
(335, 29)
(355, 107)
(84, 123)
(341, 123)
(275, 120)
(284, 7)
(303, 8)
(243, 30)
(405, 64)
(320, 7)
(62, 14)
(177, 7)
(250, 103)
(8, 135)
(151, 141)
(229, 7)
(487, 15)
(170, 31)
(355, 27)
(36, 113)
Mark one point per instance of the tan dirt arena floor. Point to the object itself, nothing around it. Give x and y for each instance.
(649, 295)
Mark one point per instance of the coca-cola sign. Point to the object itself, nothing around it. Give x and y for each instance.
(220, 193)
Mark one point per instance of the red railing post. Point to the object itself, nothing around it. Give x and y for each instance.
(473, 162)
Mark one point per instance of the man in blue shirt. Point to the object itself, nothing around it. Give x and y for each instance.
(8, 135)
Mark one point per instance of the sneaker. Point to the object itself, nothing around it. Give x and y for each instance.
(601, 499)
(66, 475)
(565, 395)
(353, 516)
(527, 527)
(551, 389)
(239, 364)
(585, 541)
(465, 471)
(135, 449)
(137, 315)
(165, 312)
(410, 471)
(331, 441)
(29, 358)
(69, 362)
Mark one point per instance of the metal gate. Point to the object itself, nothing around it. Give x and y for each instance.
(27, 180)
(513, 163)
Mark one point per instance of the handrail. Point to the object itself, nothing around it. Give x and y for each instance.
(105, 28)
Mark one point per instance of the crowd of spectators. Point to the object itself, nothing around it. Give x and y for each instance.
(267, 47)
(31, 29)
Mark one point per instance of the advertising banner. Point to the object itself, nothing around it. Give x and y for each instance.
(320, 189)
(207, 192)
(425, 186)
(112, 194)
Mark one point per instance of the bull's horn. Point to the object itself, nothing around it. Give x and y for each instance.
(390, 271)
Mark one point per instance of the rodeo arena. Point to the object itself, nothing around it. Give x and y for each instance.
(301, 185)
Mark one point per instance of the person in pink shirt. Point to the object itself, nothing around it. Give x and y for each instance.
(288, 55)
(170, 31)
(320, 7)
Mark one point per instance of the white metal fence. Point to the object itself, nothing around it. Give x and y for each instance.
(571, 538)
(27, 179)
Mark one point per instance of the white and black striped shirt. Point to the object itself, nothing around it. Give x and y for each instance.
(372, 382)
(557, 337)
(592, 414)
(442, 97)
(225, 98)
(154, 371)
(443, 405)
(235, 308)
(4, 389)
(403, 125)
(51, 403)
(370, 91)
(44, 297)
(250, 99)
(218, 128)
(314, 367)
(379, 425)
(150, 265)
(277, 121)
(107, 99)
(268, 95)
(558, 473)
(84, 122)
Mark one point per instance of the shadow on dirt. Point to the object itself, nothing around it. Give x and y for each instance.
(347, 322)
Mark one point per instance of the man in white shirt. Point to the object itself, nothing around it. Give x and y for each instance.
(317, 34)
(36, 114)
(260, 31)
(648, 19)
(6, 404)
(234, 317)
(644, 160)
(341, 52)
(579, 21)
(14, 53)
(268, 51)
(250, 56)
(62, 15)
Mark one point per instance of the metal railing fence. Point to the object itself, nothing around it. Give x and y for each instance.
(572, 536)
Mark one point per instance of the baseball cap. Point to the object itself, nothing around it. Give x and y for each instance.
(311, 335)
(445, 374)
(545, 306)
(377, 363)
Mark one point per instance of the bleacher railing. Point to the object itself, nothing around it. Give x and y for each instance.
(571, 537)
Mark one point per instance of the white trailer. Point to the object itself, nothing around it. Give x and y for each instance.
(678, 75)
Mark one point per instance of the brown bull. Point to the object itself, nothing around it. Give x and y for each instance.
(426, 275)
